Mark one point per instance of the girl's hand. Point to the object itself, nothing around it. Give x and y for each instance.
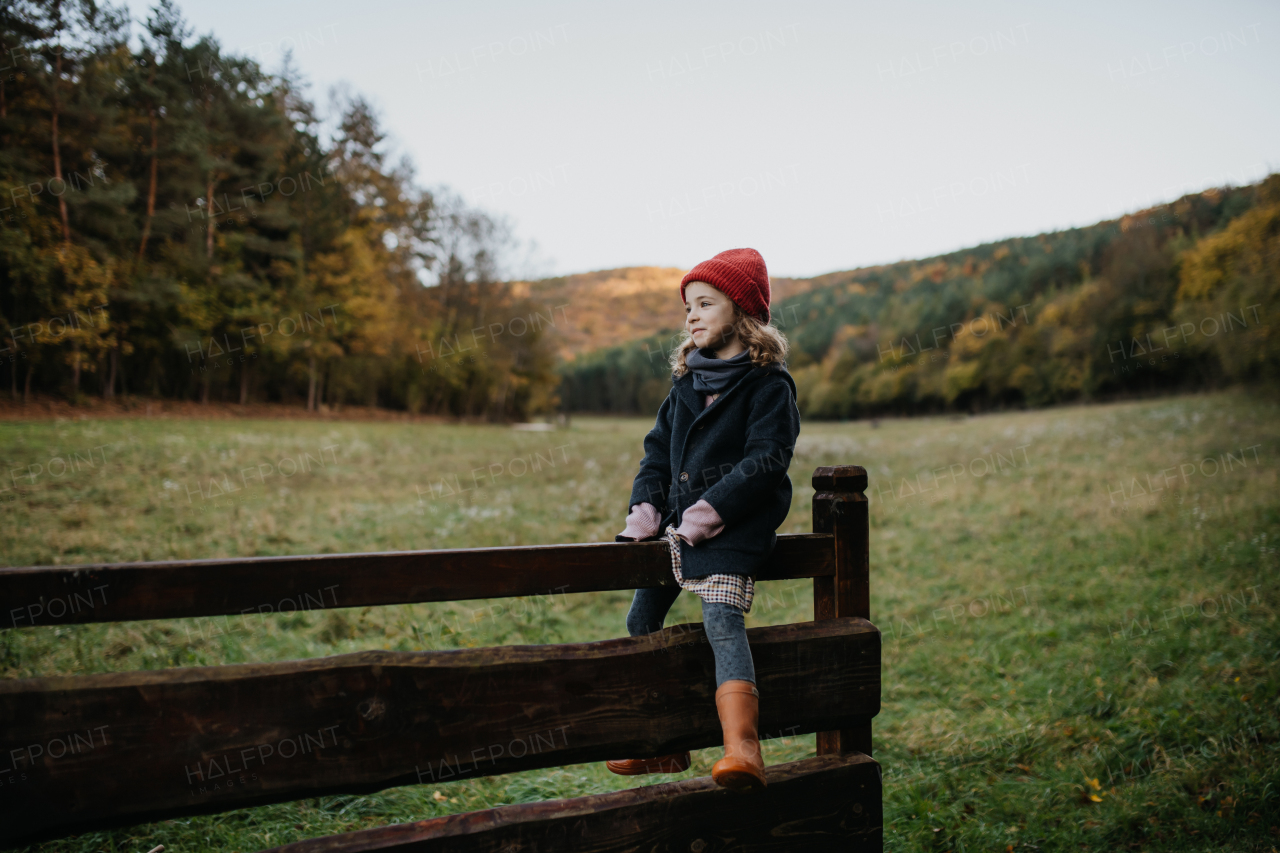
(642, 522)
(699, 522)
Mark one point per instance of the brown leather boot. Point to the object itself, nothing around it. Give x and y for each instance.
(676, 762)
(742, 768)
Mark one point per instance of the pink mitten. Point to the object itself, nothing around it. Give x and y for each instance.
(699, 522)
(642, 522)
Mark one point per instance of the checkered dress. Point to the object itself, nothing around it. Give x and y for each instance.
(734, 590)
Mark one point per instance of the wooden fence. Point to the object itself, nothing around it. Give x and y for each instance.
(97, 751)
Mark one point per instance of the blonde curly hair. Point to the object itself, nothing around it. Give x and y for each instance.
(764, 342)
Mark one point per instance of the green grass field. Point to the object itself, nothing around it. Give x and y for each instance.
(1072, 660)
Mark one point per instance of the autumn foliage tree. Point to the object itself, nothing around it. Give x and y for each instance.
(1231, 279)
(175, 223)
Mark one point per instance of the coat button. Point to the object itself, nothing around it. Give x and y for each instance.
(683, 476)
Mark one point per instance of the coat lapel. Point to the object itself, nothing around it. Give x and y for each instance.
(720, 401)
(684, 389)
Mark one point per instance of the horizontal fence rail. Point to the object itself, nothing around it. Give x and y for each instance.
(95, 751)
(831, 803)
(79, 753)
(62, 595)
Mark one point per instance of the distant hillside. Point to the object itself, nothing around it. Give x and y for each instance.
(610, 307)
(613, 307)
(1074, 314)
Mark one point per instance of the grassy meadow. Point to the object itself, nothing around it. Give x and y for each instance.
(1072, 659)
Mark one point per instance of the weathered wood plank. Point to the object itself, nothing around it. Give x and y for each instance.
(93, 751)
(840, 508)
(831, 803)
(60, 595)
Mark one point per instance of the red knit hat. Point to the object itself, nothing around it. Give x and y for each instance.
(739, 274)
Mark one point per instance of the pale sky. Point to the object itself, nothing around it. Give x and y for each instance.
(826, 135)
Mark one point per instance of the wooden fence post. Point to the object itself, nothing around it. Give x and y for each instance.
(840, 508)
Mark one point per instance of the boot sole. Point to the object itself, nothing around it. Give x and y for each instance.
(671, 766)
(738, 780)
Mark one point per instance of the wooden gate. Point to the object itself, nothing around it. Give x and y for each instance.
(97, 751)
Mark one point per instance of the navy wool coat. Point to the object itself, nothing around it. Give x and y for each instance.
(734, 454)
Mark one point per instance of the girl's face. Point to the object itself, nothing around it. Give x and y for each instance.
(709, 315)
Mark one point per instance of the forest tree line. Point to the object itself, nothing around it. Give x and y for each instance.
(1179, 297)
(176, 221)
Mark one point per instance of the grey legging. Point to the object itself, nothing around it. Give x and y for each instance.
(723, 623)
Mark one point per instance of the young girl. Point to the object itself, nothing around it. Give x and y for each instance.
(714, 480)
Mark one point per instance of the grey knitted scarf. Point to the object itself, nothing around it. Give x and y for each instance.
(712, 375)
